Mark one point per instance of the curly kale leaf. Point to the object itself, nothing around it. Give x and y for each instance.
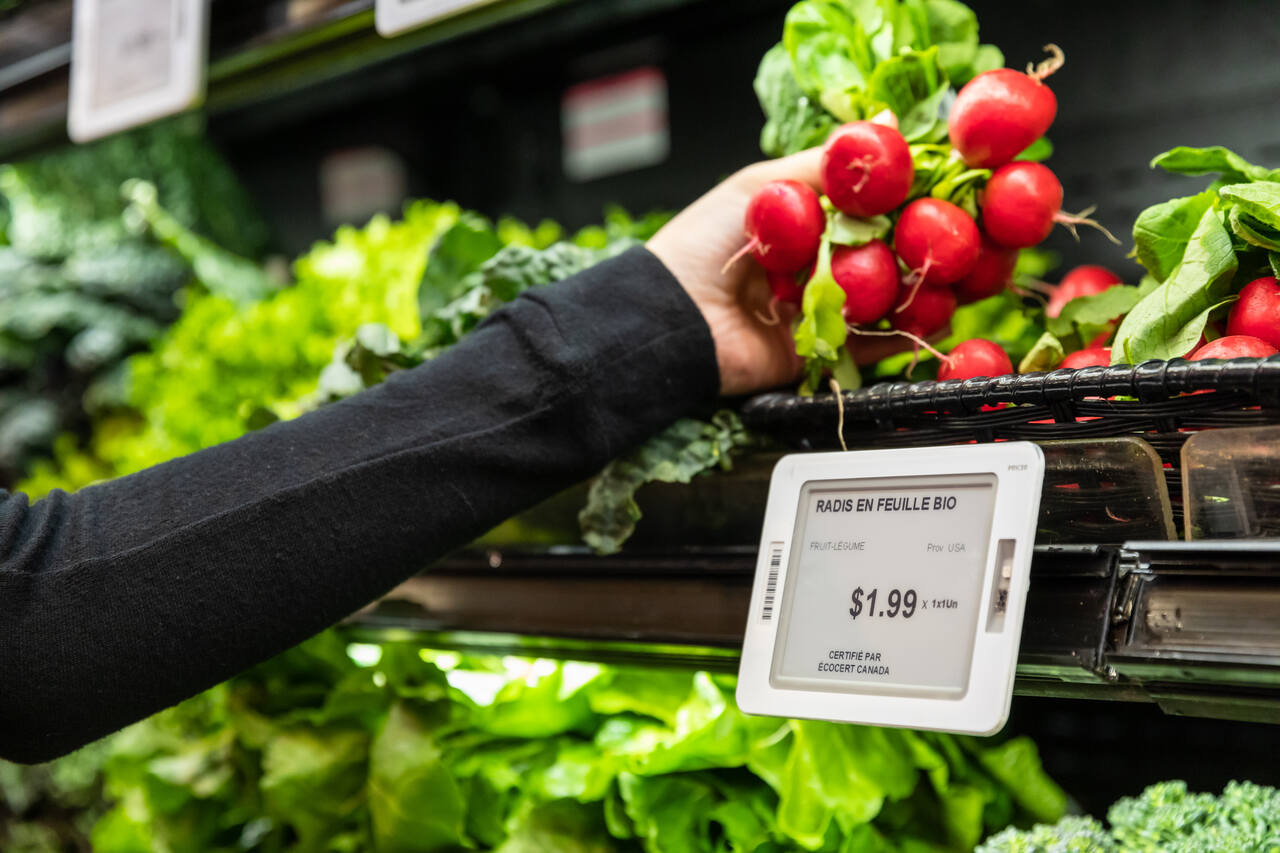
(679, 453)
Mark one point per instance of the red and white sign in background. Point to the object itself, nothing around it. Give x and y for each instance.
(615, 124)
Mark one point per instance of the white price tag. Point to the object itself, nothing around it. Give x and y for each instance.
(891, 584)
(134, 61)
(392, 17)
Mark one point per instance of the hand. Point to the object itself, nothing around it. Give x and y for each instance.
(752, 351)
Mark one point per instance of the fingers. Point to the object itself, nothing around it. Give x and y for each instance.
(804, 166)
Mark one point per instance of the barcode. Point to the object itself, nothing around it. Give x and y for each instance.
(771, 586)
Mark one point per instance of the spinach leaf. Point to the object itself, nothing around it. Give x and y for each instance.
(793, 122)
(828, 46)
(913, 85)
(1047, 354)
(1252, 231)
(1041, 149)
(1213, 160)
(846, 230)
(1161, 232)
(1098, 309)
(953, 27)
(1261, 201)
(1167, 322)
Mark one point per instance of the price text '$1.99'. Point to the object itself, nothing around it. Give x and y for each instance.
(895, 603)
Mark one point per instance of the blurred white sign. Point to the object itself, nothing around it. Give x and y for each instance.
(615, 124)
(134, 61)
(395, 16)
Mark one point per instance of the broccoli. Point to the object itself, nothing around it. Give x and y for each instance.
(1165, 818)
(1070, 835)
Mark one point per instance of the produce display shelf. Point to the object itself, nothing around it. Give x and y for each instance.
(263, 51)
(1193, 627)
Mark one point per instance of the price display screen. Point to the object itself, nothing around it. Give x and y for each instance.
(883, 586)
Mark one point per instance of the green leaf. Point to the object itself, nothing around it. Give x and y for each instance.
(313, 780)
(953, 27)
(1162, 231)
(845, 372)
(1168, 321)
(459, 251)
(821, 330)
(829, 48)
(794, 121)
(656, 693)
(671, 813)
(1213, 160)
(415, 804)
(224, 273)
(847, 230)
(562, 826)
(912, 85)
(1274, 260)
(537, 707)
(1252, 230)
(1041, 149)
(675, 455)
(1261, 201)
(840, 775)
(1045, 355)
(1097, 310)
(1016, 764)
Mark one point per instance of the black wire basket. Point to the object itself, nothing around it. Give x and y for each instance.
(1162, 402)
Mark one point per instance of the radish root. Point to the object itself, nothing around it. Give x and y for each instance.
(916, 277)
(1071, 220)
(1047, 66)
(1038, 286)
(773, 319)
(898, 333)
(753, 244)
(835, 389)
(865, 163)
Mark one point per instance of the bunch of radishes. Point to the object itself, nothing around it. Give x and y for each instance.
(903, 262)
(1252, 329)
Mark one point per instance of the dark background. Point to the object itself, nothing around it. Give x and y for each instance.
(476, 120)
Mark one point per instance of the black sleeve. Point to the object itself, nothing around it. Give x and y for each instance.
(132, 595)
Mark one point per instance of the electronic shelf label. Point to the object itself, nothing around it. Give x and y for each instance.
(134, 61)
(890, 586)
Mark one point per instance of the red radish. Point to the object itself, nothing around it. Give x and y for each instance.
(922, 311)
(973, 358)
(1092, 357)
(785, 287)
(866, 168)
(869, 277)
(990, 274)
(1022, 201)
(1000, 112)
(784, 224)
(937, 241)
(1257, 313)
(1086, 280)
(1235, 346)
